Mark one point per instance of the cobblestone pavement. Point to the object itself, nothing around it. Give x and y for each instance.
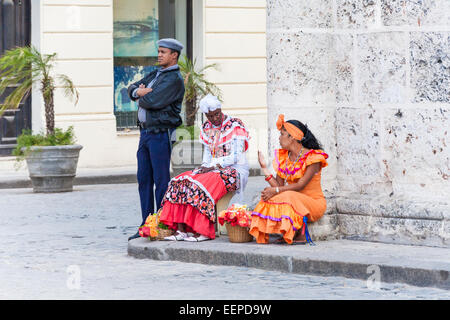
(74, 246)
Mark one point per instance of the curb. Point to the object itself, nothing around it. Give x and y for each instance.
(299, 259)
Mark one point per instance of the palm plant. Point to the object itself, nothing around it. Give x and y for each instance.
(196, 86)
(24, 66)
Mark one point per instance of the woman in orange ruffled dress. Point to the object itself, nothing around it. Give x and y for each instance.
(295, 195)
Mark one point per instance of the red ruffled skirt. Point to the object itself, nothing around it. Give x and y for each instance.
(190, 199)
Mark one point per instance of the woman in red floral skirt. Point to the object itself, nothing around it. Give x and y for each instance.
(189, 203)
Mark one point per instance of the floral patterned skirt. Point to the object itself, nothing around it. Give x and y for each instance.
(191, 199)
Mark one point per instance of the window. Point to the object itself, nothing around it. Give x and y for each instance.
(138, 25)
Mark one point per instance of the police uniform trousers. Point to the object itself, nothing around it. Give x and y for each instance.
(153, 163)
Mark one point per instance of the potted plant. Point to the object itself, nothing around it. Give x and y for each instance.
(51, 157)
(188, 150)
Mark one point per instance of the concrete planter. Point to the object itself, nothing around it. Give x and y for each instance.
(53, 168)
(186, 155)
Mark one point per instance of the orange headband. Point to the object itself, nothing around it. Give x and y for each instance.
(290, 128)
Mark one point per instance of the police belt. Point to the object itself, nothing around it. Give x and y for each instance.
(141, 125)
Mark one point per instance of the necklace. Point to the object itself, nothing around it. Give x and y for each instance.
(216, 137)
(215, 142)
(293, 164)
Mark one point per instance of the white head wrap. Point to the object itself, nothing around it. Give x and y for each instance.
(209, 103)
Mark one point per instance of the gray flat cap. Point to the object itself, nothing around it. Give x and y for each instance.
(171, 44)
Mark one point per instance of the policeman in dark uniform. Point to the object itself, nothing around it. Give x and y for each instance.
(160, 95)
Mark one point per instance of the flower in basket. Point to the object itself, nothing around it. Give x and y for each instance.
(149, 229)
(236, 215)
(151, 226)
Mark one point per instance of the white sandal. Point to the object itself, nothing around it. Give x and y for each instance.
(178, 236)
(197, 239)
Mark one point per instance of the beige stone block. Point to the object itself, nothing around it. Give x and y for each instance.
(415, 13)
(300, 69)
(237, 71)
(76, 19)
(235, 45)
(91, 100)
(430, 62)
(78, 46)
(324, 229)
(291, 14)
(356, 13)
(320, 71)
(416, 151)
(235, 20)
(393, 206)
(359, 139)
(381, 67)
(244, 95)
(394, 230)
(87, 72)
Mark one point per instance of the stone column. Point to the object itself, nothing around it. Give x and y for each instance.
(372, 81)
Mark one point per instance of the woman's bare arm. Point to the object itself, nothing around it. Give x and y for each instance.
(273, 182)
(310, 171)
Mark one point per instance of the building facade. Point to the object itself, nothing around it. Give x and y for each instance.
(102, 45)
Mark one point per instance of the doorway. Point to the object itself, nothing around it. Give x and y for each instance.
(15, 31)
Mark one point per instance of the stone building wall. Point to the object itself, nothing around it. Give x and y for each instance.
(371, 78)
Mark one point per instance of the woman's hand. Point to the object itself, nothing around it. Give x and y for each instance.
(268, 193)
(261, 160)
(205, 169)
(262, 163)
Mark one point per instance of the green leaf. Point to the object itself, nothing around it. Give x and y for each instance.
(196, 85)
(21, 68)
(27, 139)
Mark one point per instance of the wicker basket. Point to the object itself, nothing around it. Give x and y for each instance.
(238, 233)
(163, 233)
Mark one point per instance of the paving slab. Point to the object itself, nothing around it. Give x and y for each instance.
(414, 265)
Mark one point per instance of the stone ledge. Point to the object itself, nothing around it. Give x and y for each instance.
(393, 220)
(413, 265)
(393, 207)
(433, 233)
